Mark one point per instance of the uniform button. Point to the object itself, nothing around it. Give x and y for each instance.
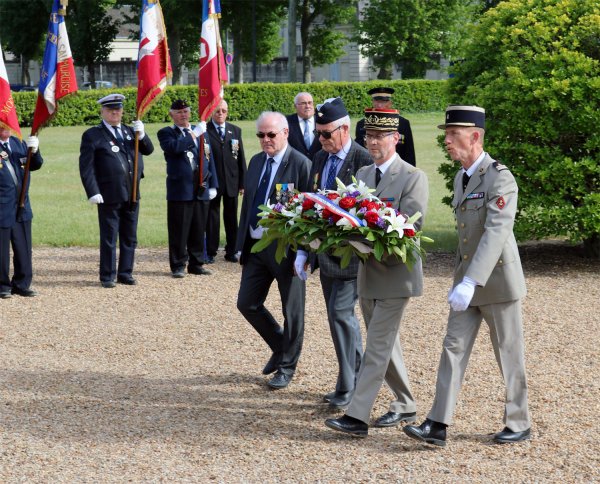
(462, 226)
(463, 208)
(500, 261)
(465, 257)
(465, 241)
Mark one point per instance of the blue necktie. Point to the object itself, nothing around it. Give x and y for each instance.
(221, 132)
(117, 134)
(261, 193)
(333, 162)
(306, 135)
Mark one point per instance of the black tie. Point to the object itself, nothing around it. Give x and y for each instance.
(118, 135)
(261, 192)
(377, 176)
(465, 180)
(5, 147)
(221, 132)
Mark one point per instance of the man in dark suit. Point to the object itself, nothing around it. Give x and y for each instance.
(106, 167)
(302, 124)
(187, 198)
(15, 224)
(340, 157)
(382, 99)
(230, 162)
(277, 164)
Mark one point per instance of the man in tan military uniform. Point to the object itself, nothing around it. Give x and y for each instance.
(488, 281)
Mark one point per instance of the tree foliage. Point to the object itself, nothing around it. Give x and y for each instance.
(413, 34)
(535, 67)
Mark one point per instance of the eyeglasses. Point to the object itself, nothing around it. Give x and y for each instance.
(377, 137)
(326, 134)
(270, 134)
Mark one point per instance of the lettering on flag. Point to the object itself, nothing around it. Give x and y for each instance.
(8, 112)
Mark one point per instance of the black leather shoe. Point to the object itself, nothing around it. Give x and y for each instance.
(280, 380)
(200, 271)
(231, 258)
(341, 400)
(24, 292)
(178, 274)
(127, 280)
(209, 260)
(348, 425)
(272, 364)
(507, 436)
(108, 284)
(429, 432)
(391, 419)
(5, 295)
(328, 396)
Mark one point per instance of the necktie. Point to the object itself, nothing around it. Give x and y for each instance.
(221, 132)
(306, 134)
(333, 162)
(118, 135)
(377, 176)
(465, 180)
(9, 166)
(261, 192)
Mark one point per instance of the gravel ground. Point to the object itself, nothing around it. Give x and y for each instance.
(161, 382)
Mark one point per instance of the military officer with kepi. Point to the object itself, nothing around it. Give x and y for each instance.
(106, 168)
(488, 281)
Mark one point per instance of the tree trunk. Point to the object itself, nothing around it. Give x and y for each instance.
(25, 78)
(385, 73)
(238, 72)
(304, 38)
(175, 53)
(591, 247)
(91, 74)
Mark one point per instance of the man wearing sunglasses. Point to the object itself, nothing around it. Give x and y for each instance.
(381, 97)
(302, 124)
(278, 164)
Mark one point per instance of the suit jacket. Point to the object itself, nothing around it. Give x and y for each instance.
(406, 188)
(487, 250)
(106, 167)
(356, 158)
(9, 192)
(405, 147)
(294, 168)
(296, 138)
(180, 154)
(230, 161)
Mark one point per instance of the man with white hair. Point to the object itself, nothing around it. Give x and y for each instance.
(302, 125)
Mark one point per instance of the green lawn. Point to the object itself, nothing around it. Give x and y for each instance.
(63, 217)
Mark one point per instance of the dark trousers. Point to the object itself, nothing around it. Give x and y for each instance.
(117, 220)
(186, 222)
(258, 273)
(213, 225)
(19, 236)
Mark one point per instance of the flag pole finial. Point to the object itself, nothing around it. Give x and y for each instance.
(62, 7)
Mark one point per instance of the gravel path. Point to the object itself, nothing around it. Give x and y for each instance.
(161, 382)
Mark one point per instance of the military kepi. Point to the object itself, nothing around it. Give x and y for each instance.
(382, 119)
(179, 104)
(381, 93)
(113, 101)
(331, 110)
(466, 116)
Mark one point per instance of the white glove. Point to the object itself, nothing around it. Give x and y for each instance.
(200, 129)
(33, 142)
(299, 264)
(212, 193)
(96, 199)
(138, 127)
(461, 295)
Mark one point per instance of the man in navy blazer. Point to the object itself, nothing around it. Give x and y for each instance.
(278, 163)
(187, 199)
(15, 224)
(302, 125)
(106, 168)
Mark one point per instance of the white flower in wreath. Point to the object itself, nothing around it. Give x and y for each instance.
(396, 222)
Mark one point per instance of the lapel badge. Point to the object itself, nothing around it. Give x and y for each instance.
(190, 155)
(500, 203)
(115, 149)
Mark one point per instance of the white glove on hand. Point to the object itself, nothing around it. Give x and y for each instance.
(33, 142)
(461, 295)
(212, 193)
(299, 264)
(96, 199)
(138, 127)
(200, 129)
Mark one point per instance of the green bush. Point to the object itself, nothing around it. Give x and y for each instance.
(246, 101)
(534, 65)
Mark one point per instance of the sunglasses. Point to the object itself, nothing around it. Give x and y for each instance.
(326, 134)
(270, 134)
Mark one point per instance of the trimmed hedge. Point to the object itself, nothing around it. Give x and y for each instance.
(246, 101)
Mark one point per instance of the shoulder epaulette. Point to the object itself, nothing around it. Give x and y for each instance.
(499, 166)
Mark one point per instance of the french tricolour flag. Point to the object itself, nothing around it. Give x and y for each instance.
(8, 112)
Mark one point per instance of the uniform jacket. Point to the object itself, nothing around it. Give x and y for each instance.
(356, 158)
(230, 161)
(406, 188)
(107, 168)
(405, 147)
(296, 138)
(487, 250)
(180, 154)
(9, 192)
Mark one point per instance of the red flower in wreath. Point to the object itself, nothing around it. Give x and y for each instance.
(333, 195)
(409, 233)
(307, 204)
(347, 203)
(372, 218)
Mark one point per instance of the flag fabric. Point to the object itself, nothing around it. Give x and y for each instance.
(154, 65)
(212, 74)
(8, 111)
(57, 77)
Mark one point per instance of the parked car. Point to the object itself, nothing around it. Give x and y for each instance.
(97, 85)
(21, 88)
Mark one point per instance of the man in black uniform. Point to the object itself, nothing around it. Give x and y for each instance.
(106, 169)
(382, 99)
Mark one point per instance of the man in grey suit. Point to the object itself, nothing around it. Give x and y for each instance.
(340, 157)
(488, 281)
(277, 164)
(385, 287)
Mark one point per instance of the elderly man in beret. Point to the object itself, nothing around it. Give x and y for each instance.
(488, 281)
(386, 286)
(106, 167)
